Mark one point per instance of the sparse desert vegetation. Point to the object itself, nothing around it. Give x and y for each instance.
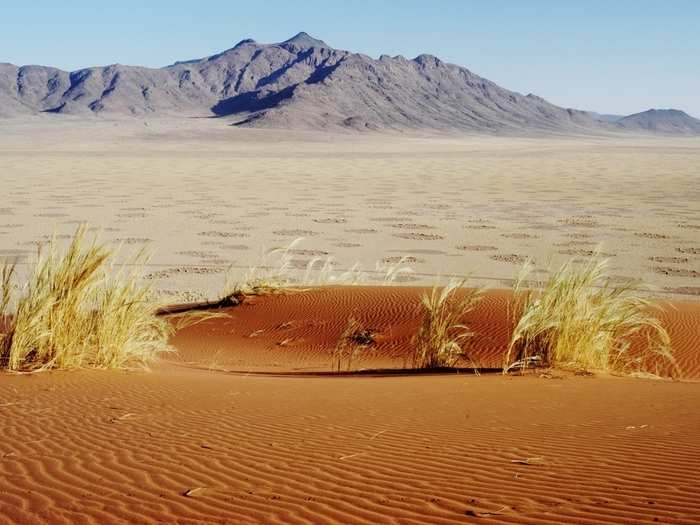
(440, 340)
(578, 319)
(354, 339)
(271, 275)
(276, 273)
(78, 310)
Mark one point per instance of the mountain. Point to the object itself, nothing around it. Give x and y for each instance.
(298, 83)
(661, 121)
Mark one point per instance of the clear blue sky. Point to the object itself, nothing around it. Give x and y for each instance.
(612, 56)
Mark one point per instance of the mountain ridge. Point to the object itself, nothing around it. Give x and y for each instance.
(303, 83)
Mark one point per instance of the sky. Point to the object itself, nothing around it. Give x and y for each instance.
(613, 56)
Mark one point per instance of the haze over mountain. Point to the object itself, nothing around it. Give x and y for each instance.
(302, 83)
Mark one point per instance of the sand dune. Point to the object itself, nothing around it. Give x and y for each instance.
(295, 332)
(192, 446)
(242, 425)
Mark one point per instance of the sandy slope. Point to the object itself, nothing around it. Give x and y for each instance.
(104, 447)
(192, 443)
(295, 332)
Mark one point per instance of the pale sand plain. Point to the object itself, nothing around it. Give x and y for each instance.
(245, 424)
(203, 197)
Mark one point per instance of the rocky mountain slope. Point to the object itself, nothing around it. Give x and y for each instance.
(661, 121)
(301, 83)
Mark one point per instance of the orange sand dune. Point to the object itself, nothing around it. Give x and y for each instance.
(296, 332)
(187, 445)
(192, 446)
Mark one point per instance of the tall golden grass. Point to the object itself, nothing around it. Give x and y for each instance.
(578, 320)
(441, 338)
(78, 310)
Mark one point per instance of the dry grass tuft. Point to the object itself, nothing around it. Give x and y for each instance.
(440, 340)
(354, 339)
(321, 271)
(276, 273)
(271, 276)
(577, 320)
(77, 311)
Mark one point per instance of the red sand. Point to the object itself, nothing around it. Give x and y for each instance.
(185, 445)
(296, 332)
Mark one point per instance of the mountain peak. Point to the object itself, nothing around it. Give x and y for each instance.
(304, 41)
(662, 113)
(670, 111)
(244, 42)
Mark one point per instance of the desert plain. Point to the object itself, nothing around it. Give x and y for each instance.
(246, 423)
(203, 197)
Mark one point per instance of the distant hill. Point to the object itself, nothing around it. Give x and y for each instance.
(662, 121)
(301, 83)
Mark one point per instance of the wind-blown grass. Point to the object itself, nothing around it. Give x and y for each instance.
(77, 310)
(576, 319)
(271, 275)
(320, 271)
(442, 335)
(276, 273)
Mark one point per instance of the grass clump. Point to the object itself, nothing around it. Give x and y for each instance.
(577, 320)
(270, 276)
(320, 271)
(76, 310)
(277, 272)
(440, 340)
(354, 339)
